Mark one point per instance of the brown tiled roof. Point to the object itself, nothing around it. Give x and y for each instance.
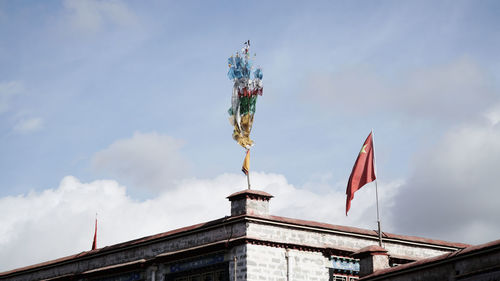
(201, 226)
(369, 250)
(250, 193)
(430, 261)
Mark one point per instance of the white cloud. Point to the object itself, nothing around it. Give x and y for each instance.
(493, 114)
(147, 160)
(328, 205)
(454, 190)
(92, 15)
(57, 222)
(29, 125)
(7, 92)
(454, 91)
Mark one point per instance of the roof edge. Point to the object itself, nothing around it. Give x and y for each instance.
(226, 220)
(364, 232)
(434, 261)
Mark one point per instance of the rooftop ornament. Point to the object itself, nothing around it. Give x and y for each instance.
(247, 86)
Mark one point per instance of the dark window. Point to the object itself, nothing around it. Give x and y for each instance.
(210, 273)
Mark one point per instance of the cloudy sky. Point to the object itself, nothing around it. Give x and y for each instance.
(120, 108)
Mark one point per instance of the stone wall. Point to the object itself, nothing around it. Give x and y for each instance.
(251, 207)
(240, 252)
(328, 239)
(308, 266)
(274, 264)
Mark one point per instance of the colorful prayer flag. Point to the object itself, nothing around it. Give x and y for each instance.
(247, 86)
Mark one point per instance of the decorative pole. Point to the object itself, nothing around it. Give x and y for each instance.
(248, 181)
(246, 88)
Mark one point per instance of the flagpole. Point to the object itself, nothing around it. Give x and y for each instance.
(248, 176)
(378, 218)
(376, 191)
(248, 180)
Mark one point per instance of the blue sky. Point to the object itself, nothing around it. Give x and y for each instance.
(136, 93)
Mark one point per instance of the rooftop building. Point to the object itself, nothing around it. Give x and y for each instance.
(250, 244)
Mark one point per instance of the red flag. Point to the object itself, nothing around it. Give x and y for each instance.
(363, 171)
(94, 244)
